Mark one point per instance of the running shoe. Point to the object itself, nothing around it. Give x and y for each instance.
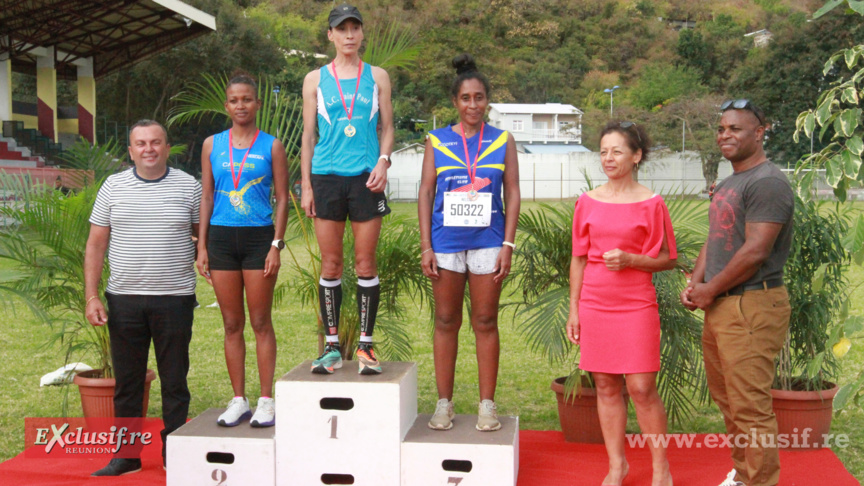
(119, 467)
(330, 359)
(487, 417)
(265, 413)
(443, 417)
(237, 411)
(730, 480)
(369, 364)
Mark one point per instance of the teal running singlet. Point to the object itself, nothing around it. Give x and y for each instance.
(454, 178)
(337, 153)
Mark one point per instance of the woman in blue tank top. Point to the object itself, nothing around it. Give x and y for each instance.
(344, 175)
(239, 244)
(467, 237)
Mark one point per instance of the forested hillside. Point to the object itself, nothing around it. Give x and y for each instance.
(675, 60)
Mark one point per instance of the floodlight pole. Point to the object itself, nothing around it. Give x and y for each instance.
(611, 99)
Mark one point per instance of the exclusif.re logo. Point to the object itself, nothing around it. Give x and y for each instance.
(93, 437)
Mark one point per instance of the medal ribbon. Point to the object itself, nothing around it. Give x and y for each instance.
(339, 85)
(231, 157)
(472, 174)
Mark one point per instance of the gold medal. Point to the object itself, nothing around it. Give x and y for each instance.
(350, 131)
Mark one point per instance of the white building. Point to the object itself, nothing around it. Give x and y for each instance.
(549, 123)
(761, 38)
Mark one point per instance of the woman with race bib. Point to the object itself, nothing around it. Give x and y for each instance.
(239, 245)
(467, 237)
(344, 176)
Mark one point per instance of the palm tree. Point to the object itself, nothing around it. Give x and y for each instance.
(544, 277)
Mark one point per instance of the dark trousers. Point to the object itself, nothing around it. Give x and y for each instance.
(133, 320)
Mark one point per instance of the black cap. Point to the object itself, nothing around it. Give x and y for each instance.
(342, 13)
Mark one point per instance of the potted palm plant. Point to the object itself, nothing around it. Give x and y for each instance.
(45, 245)
(820, 328)
(543, 275)
(818, 291)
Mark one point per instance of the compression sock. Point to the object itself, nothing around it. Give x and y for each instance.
(330, 299)
(368, 296)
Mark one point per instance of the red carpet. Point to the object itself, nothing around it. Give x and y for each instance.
(545, 460)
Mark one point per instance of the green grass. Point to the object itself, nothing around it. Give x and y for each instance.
(523, 386)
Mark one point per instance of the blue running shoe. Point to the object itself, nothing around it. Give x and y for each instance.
(330, 360)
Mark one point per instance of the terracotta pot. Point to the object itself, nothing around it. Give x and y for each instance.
(578, 415)
(97, 394)
(798, 411)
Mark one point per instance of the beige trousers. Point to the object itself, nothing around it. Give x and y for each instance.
(740, 341)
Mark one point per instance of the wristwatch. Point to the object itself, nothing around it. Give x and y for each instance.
(279, 244)
(386, 159)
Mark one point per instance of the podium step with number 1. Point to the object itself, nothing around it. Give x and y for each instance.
(344, 426)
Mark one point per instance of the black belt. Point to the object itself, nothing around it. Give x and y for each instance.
(763, 285)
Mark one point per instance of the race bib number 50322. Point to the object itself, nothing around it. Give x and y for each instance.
(460, 210)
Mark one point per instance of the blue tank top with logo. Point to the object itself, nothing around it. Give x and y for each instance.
(336, 153)
(248, 204)
(452, 171)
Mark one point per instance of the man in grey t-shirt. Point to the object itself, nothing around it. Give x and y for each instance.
(738, 282)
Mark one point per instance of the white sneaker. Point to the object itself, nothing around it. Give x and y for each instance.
(443, 417)
(487, 417)
(237, 411)
(730, 480)
(265, 413)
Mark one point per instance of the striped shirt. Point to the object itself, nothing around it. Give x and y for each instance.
(150, 251)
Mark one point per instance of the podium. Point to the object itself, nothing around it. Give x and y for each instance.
(345, 428)
(203, 452)
(462, 455)
(343, 425)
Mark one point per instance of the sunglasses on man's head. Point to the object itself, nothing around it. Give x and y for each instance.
(626, 125)
(742, 104)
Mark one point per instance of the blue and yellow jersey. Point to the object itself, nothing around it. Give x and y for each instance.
(335, 152)
(251, 199)
(452, 171)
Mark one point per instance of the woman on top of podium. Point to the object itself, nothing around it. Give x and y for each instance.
(344, 176)
(466, 236)
(240, 240)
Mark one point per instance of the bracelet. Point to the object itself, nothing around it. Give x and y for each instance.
(90, 299)
(511, 245)
(424, 251)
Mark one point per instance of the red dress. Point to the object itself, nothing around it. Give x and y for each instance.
(619, 321)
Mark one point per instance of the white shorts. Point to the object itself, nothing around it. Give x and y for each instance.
(478, 262)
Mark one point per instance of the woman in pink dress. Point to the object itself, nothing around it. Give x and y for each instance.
(622, 233)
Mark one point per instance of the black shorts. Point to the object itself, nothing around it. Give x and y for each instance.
(338, 198)
(239, 247)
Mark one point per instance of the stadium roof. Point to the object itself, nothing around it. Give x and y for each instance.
(115, 33)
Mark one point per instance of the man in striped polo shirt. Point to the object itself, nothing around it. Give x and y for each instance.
(145, 217)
